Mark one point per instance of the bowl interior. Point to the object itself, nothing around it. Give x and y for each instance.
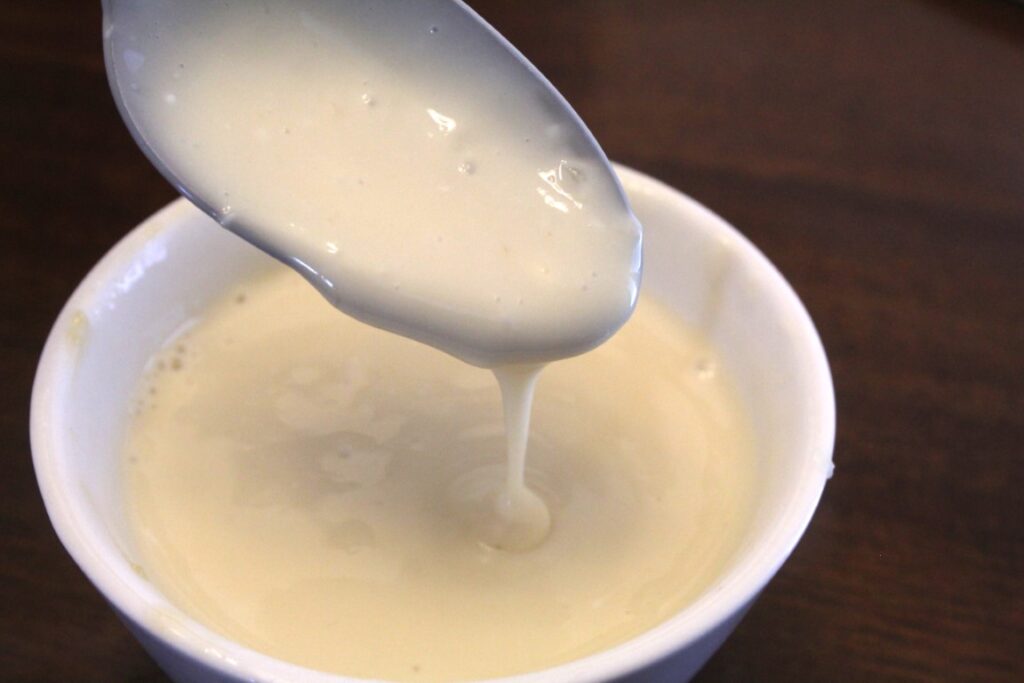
(169, 269)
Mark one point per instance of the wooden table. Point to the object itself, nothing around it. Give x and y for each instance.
(874, 149)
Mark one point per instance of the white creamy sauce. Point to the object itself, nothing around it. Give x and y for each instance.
(397, 154)
(320, 490)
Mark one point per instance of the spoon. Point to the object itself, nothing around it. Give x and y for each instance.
(377, 149)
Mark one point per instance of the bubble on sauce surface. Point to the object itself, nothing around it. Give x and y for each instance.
(177, 360)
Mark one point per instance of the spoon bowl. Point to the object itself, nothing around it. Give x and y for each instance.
(402, 156)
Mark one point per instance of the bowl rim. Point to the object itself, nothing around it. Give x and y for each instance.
(133, 597)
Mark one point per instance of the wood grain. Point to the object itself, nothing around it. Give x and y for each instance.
(873, 149)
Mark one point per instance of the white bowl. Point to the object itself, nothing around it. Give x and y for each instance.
(168, 268)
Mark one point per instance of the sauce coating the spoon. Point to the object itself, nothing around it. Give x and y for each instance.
(400, 155)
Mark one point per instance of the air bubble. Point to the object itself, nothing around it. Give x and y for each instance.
(368, 100)
(467, 168)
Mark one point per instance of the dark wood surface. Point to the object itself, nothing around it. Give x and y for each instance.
(874, 149)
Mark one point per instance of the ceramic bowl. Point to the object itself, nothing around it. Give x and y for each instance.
(168, 269)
